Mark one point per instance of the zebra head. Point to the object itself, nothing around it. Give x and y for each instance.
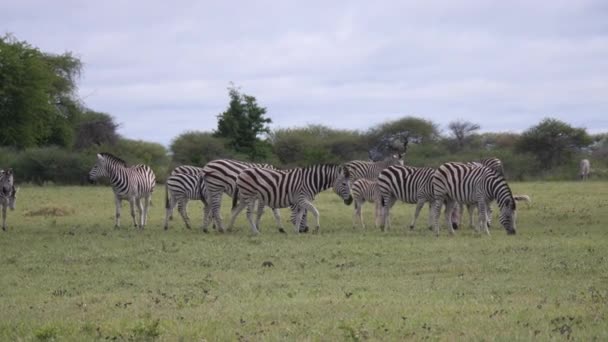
(6, 181)
(12, 198)
(104, 166)
(342, 185)
(508, 215)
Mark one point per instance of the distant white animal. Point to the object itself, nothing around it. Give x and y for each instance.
(585, 169)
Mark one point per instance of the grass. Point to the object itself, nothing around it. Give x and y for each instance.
(75, 277)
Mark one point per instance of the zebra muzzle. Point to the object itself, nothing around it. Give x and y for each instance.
(349, 200)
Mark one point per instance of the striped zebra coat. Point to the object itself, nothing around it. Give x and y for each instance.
(220, 176)
(180, 188)
(408, 184)
(8, 193)
(182, 169)
(472, 184)
(131, 183)
(295, 188)
(365, 190)
(371, 170)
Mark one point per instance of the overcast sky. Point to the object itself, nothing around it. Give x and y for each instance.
(163, 67)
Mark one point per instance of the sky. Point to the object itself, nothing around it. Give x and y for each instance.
(163, 67)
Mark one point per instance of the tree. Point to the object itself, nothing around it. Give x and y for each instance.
(37, 95)
(553, 142)
(95, 129)
(462, 131)
(420, 130)
(197, 148)
(242, 124)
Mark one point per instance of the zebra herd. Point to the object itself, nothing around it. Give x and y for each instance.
(453, 185)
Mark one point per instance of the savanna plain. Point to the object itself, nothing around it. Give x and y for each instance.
(67, 274)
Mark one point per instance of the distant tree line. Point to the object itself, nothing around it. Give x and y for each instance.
(49, 135)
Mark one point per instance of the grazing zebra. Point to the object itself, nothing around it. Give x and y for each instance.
(471, 208)
(371, 170)
(220, 176)
(408, 184)
(131, 183)
(180, 188)
(493, 164)
(585, 169)
(8, 193)
(365, 190)
(183, 169)
(472, 184)
(295, 188)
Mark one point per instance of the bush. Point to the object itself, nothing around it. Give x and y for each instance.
(198, 148)
(52, 164)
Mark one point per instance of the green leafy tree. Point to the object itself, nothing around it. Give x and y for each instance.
(553, 142)
(462, 133)
(37, 95)
(242, 124)
(197, 148)
(95, 129)
(420, 130)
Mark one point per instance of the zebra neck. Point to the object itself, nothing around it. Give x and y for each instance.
(318, 178)
(118, 178)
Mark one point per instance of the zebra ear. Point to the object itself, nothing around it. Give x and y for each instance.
(345, 171)
(99, 156)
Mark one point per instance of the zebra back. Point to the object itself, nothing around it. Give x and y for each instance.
(187, 169)
(407, 183)
(370, 170)
(135, 180)
(493, 164)
(221, 174)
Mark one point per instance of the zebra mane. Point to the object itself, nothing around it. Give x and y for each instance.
(113, 158)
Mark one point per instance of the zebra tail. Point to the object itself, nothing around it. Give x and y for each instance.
(235, 198)
(525, 198)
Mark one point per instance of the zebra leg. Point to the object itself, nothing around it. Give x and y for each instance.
(277, 217)
(260, 212)
(377, 213)
(4, 217)
(436, 213)
(483, 217)
(471, 209)
(307, 206)
(449, 207)
(489, 213)
(250, 218)
(430, 215)
(299, 214)
(147, 203)
(140, 212)
(117, 201)
(419, 206)
(243, 203)
(206, 217)
(181, 207)
(169, 211)
(216, 206)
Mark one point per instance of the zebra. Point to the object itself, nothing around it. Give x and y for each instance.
(181, 187)
(8, 193)
(295, 188)
(183, 169)
(472, 184)
(132, 183)
(365, 190)
(585, 169)
(220, 176)
(493, 164)
(406, 183)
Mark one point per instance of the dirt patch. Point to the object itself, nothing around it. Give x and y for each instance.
(51, 211)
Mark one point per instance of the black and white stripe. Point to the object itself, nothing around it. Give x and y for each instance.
(408, 184)
(132, 183)
(472, 184)
(371, 170)
(182, 169)
(8, 193)
(295, 188)
(220, 176)
(179, 189)
(493, 164)
(365, 190)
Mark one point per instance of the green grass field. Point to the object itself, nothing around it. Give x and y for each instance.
(70, 275)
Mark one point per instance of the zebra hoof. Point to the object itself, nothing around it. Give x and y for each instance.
(304, 230)
(454, 226)
(281, 230)
(166, 227)
(411, 227)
